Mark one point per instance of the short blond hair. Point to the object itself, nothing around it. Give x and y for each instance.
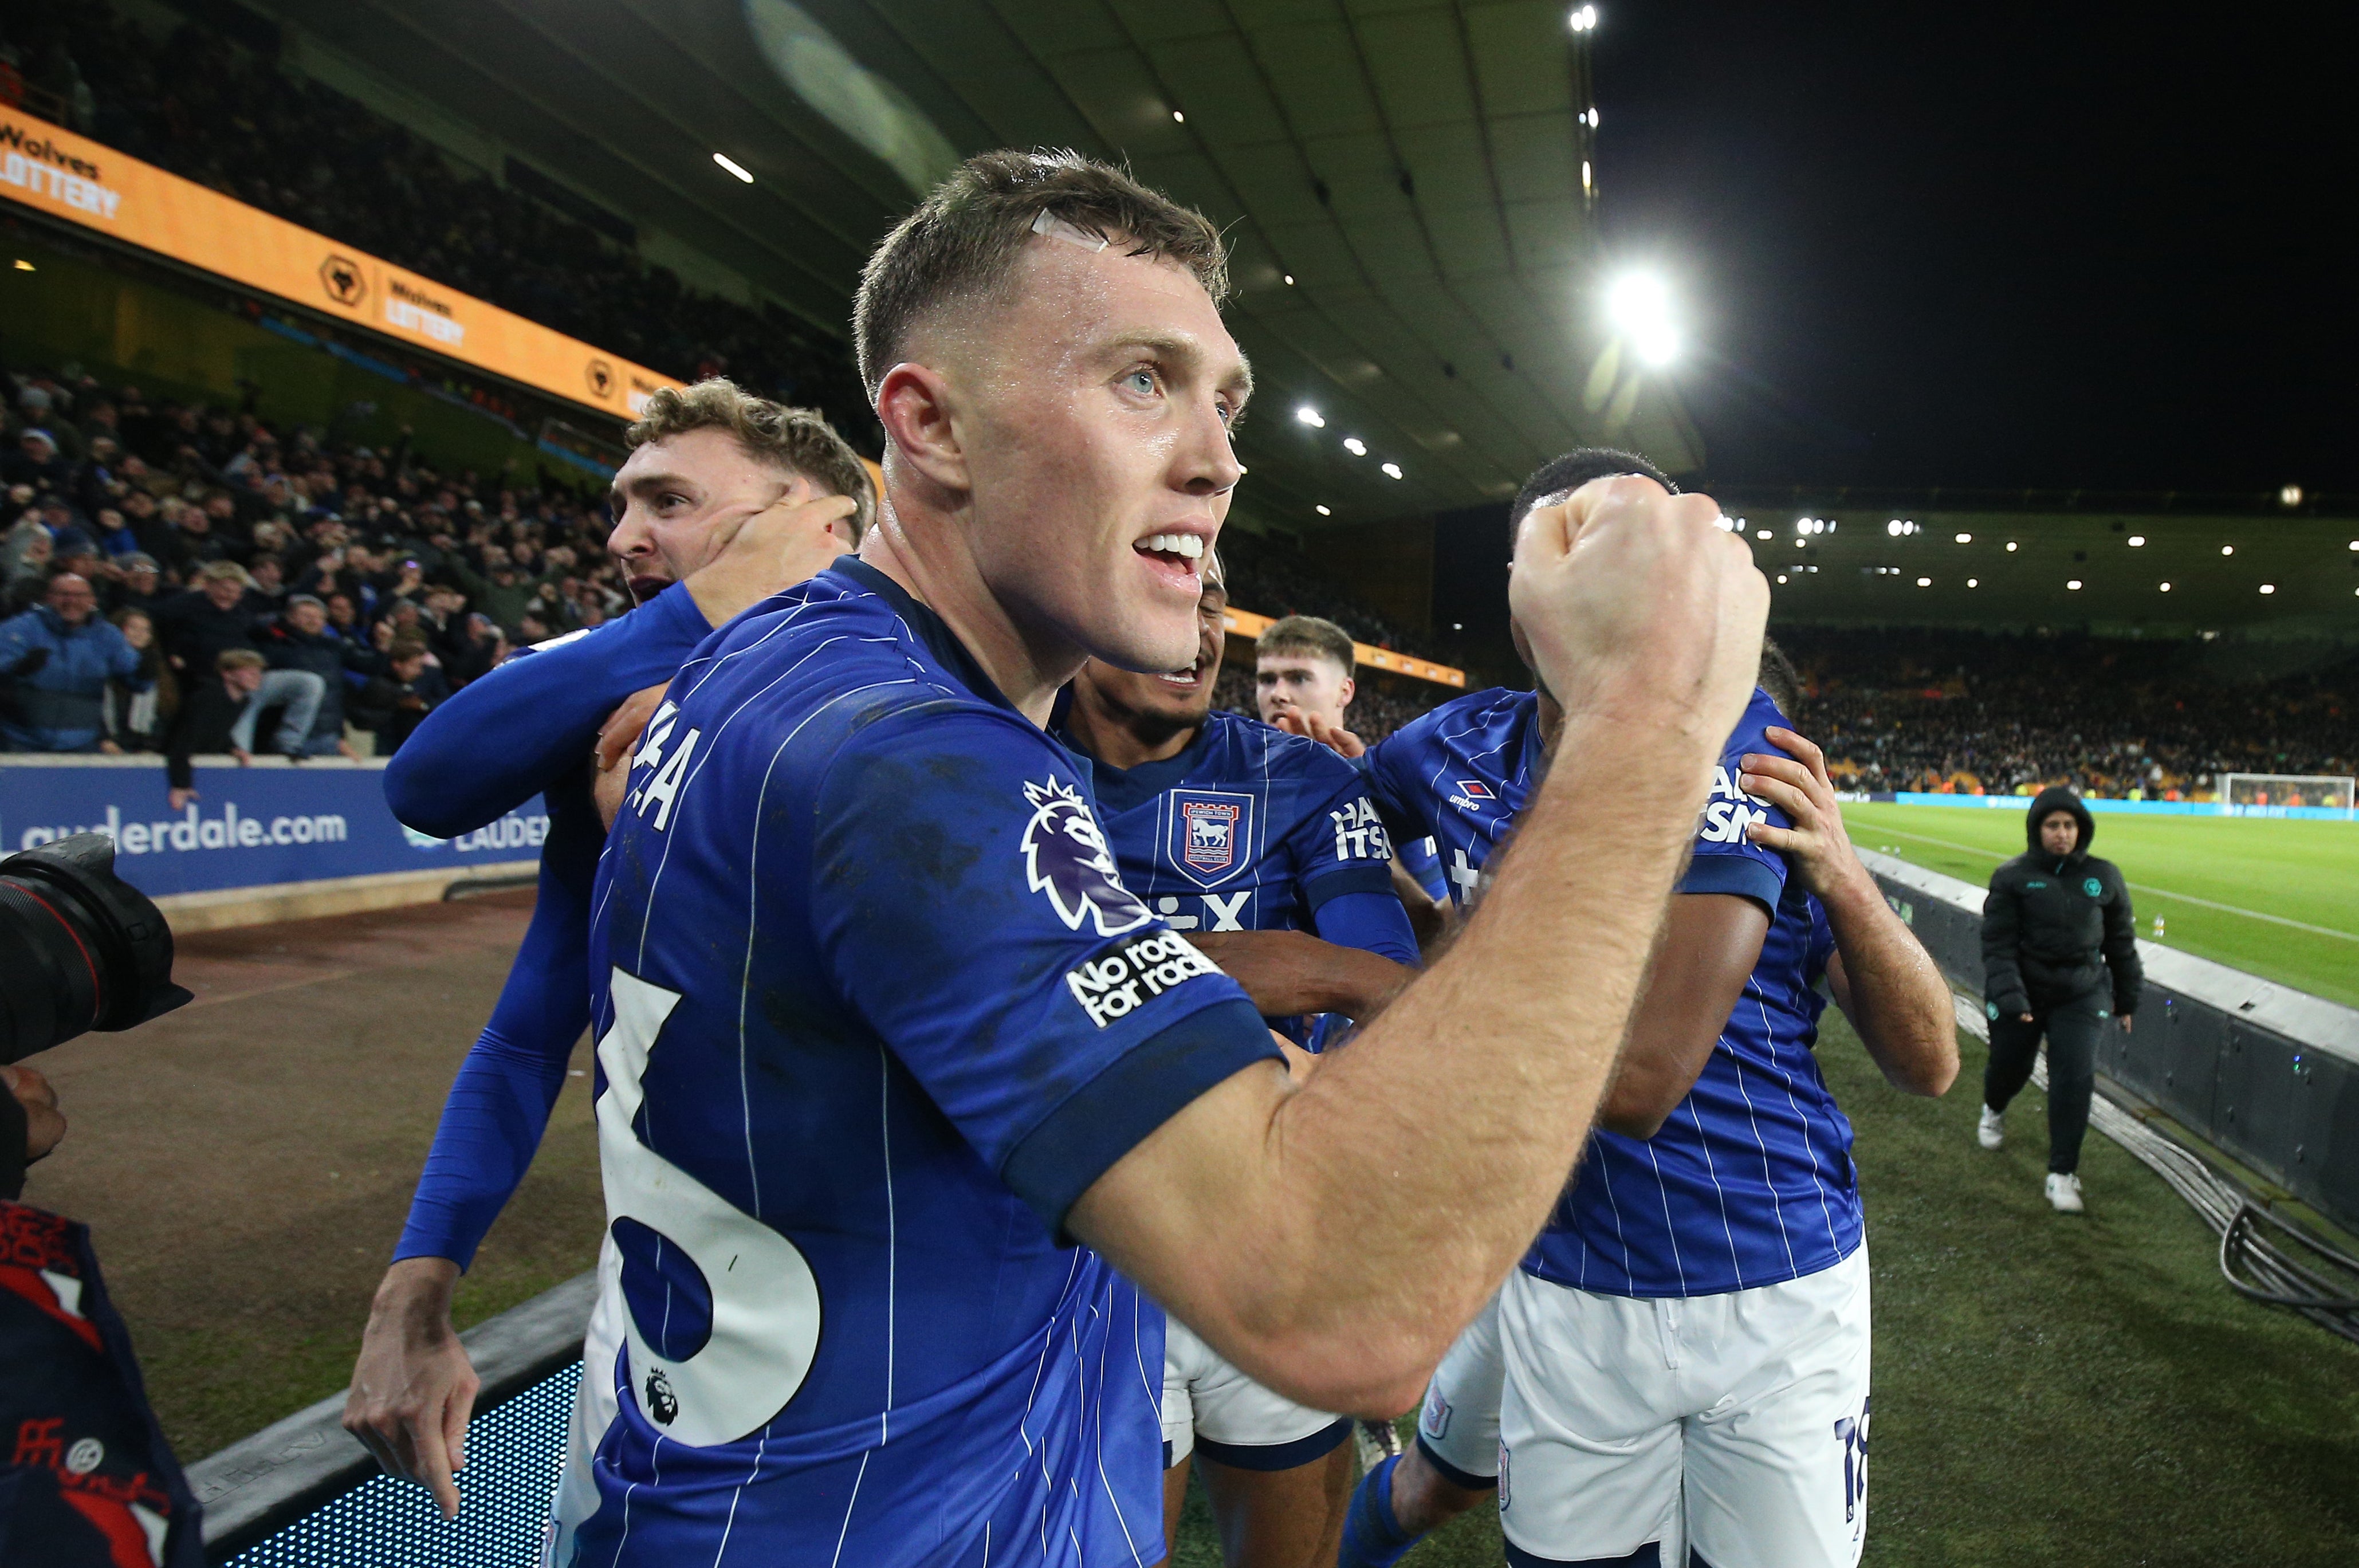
(1308, 637)
(238, 659)
(795, 440)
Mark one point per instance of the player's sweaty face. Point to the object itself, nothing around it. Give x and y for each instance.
(1300, 683)
(1179, 697)
(671, 496)
(1097, 449)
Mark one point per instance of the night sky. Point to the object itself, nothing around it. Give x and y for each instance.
(1988, 247)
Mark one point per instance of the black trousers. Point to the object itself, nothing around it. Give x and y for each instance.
(2071, 1030)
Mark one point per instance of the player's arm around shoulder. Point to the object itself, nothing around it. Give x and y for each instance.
(1332, 1240)
(1881, 976)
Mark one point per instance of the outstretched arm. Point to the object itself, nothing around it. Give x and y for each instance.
(1331, 1240)
(413, 1388)
(1881, 976)
(499, 740)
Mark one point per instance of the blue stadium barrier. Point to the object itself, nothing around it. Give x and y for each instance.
(2140, 808)
(266, 825)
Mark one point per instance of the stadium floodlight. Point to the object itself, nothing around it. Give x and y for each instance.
(2010, 546)
(1355, 446)
(2074, 584)
(1761, 533)
(2355, 544)
(1323, 511)
(1781, 577)
(1586, 180)
(1965, 539)
(1924, 583)
(2227, 549)
(733, 167)
(2137, 541)
(2289, 496)
(1290, 278)
(2166, 587)
(1893, 528)
(1973, 582)
(1584, 19)
(1392, 471)
(2268, 587)
(1311, 417)
(1639, 304)
(1178, 118)
(24, 265)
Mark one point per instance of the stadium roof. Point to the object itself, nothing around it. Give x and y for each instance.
(1416, 167)
(2293, 575)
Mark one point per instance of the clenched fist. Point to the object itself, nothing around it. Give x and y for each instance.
(1637, 602)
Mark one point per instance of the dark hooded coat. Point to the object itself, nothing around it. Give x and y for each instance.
(2053, 927)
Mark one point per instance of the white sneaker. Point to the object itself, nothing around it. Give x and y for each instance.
(2064, 1193)
(1993, 1131)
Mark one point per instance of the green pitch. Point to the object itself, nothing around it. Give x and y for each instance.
(2054, 1389)
(2276, 897)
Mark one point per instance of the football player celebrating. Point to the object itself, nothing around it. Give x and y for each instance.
(1303, 681)
(882, 1033)
(725, 499)
(1224, 825)
(1685, 1349)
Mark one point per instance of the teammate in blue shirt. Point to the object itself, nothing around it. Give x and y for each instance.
(900, 1088)
(1304, 680)
(1228, 829)
(1684, 1351)
(725, 499)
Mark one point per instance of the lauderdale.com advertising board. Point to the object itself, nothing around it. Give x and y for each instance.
(249, 827)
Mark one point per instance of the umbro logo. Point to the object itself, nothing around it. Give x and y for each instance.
(1472, 795)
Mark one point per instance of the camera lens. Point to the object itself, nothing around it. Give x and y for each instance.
(81, 947)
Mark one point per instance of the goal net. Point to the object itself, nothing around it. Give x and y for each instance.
(2255, 794)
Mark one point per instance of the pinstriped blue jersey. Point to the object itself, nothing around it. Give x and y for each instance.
(873, 1008)
(1253, 828)
(1749, 1181)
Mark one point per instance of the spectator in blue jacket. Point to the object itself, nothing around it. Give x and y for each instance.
(58, 657)
(299, 639)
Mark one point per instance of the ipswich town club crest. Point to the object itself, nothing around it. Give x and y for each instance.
(1211, 832)
(1066, 857)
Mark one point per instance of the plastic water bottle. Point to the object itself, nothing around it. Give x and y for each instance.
(2158, 928)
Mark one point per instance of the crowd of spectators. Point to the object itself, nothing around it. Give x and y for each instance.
(213, 111)
(2002, 714)
(153, 554)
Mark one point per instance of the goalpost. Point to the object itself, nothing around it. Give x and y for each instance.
(2268, 794)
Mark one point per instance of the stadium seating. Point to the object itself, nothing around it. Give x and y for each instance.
(215, 113)
(1976, 712)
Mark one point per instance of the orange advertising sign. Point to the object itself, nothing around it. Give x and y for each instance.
(1246, 624)
(54, 172)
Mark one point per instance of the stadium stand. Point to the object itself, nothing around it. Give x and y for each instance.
(218, 112)
(1992, 713)
(140, 496)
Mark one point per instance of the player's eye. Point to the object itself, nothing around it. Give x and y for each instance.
(1143, 381)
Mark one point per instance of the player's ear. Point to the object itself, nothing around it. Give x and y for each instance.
(1345, 692)
(916, 406)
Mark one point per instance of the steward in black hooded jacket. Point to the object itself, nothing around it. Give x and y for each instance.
(2053, 926)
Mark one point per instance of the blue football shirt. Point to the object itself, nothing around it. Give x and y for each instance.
(1253, 828)
(874, 1007)
(1750, 1180)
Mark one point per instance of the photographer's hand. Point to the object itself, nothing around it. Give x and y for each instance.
(44, 1123)
(413, 1388)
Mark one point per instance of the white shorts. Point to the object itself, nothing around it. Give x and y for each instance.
(1458, 1425)
(1733, 1427)
(1208, 1404)
(594, 1409)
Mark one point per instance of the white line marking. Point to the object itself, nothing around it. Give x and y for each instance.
(2134, 887)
